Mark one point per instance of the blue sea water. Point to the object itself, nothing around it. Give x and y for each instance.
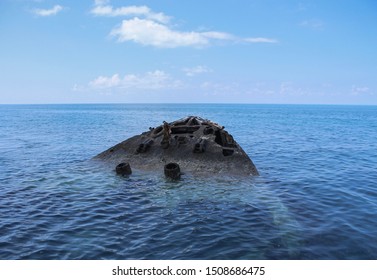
(315, 198)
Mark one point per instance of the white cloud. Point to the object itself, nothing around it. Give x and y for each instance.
(101, 9)
(105, 82)
(152, 29)
(196, 70)
(155, 80)
(77, 87)
(260, 40)
(149, 32)
(218, 35)
(48, 12)
(360, 90)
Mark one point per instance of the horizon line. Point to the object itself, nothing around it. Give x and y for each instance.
(185, 103)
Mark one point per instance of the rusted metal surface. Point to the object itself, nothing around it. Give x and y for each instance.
(199, 146)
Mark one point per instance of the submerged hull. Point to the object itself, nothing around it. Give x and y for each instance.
(199, 147)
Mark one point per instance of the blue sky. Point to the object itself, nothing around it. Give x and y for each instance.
(239, 51)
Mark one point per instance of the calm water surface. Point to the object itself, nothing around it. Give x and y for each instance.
(316, 197)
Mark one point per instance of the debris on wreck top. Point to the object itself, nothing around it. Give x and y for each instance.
(199, 146)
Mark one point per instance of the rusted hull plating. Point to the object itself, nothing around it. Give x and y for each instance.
(199, 146)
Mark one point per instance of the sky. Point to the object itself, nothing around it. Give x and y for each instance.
(188, 51)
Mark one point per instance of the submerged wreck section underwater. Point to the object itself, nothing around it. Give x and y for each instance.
(197, 145)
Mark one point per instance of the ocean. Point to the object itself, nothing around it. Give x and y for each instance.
(315, 198)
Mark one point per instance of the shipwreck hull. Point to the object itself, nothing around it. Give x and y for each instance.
(197, 145)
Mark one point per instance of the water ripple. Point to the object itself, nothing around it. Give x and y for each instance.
(315, 198)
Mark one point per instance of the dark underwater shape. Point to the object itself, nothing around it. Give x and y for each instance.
(199, 146)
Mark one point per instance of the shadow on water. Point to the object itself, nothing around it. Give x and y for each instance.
(219, 218)
(288, 242)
